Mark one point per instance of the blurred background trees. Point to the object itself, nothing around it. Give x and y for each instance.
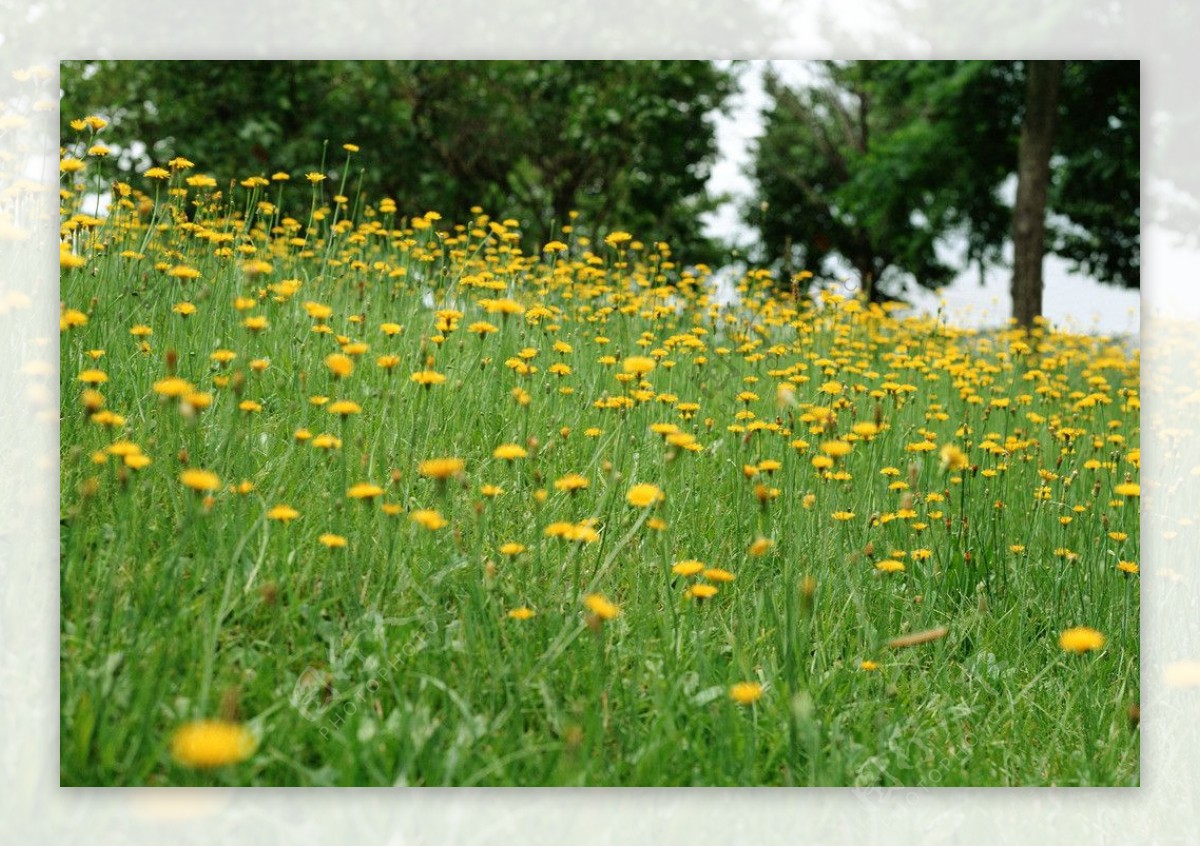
(877, 166)
(894, 173)
(626, 144)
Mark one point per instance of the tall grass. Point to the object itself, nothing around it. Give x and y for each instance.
(360, 646)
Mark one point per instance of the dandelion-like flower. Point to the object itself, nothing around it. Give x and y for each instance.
(283, 513)
(363, 491)
(212, 744)
(688, 567)
(428, 378)
(200, 480)
(441, 469)
(644, 495)
(601, 607)
(428, 518)
(745, 693)
(1081, 639)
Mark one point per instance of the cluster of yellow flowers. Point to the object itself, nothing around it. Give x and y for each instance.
(794, 403)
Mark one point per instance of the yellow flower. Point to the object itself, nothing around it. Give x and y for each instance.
(509, 452)
(173, 387)
(765, 493)
(283, 513)
(340, 365)
(638, 365)
(124, 448)
(843, 515)
(701, 592)
(571, 483)
(441, 469)
(200, 480)
(745, 693)
(688, 567)
(868, 665)
(837, 449)
(761, 546)
(512, 548)
(1080, 639)
(331, 540)
(93, 377)
(644, 494)
(428, 518)
(522, 614)
(317, 311)
(599, 606)
(718, 575)
(345, 408)
(1128, 489)
(889, 566)
(184, 272)
(953, 458)
(428, 378)
(211, 744)
(72, 318)
(363, 491)
(1127, 567)
(68, 260)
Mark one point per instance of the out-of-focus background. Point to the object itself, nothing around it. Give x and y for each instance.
(903, 179)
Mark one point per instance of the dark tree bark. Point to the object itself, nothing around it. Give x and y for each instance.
(1043, 80)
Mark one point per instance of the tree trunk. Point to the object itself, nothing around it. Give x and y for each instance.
(1043, 80)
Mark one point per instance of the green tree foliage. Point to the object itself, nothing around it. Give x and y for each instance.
(629, 145)
(873, 164)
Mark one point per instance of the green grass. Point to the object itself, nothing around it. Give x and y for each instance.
(392, 661)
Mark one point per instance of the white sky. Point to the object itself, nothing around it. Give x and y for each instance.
(1072, 300)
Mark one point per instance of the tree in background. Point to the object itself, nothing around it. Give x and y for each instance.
(628, 145)
(1042, 83)
(874, 164)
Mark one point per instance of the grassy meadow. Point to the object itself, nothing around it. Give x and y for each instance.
(366, 497)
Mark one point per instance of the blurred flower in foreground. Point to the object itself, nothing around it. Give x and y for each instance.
(211, 744)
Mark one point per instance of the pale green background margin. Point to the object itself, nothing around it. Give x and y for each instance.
(33, 809)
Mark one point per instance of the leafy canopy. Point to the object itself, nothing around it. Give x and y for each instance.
(876, 164)
(629, 145)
